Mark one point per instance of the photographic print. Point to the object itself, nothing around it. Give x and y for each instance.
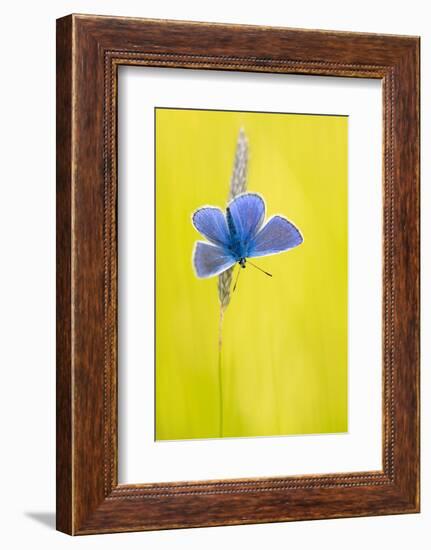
(251, 274)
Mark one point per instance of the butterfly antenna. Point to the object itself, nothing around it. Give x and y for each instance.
(260, 269)
(236, 280)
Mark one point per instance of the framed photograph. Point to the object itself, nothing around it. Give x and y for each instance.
(237, 274)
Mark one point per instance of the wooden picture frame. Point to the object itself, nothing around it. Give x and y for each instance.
(89, 51)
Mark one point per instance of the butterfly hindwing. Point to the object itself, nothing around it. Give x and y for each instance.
(248, 212)
(277, 235)
(210, 260)
(211, 223)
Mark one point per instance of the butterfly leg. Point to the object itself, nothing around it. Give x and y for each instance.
(236, 280)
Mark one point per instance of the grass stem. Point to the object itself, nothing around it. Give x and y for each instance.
(220, 371)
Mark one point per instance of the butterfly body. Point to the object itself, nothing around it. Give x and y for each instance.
(239, 234)
(237, 246)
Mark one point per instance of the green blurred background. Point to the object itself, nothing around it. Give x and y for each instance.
(284, 354)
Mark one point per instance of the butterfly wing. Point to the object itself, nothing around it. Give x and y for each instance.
(277, 235)
(210, 260)
(248, 213)
(211, 223)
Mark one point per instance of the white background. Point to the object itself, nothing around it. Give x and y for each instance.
(27, 214)
(141, 459)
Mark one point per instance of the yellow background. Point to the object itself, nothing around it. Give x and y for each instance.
(284, 355)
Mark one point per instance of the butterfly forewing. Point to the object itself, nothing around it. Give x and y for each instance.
(277, 235)
(210, 260)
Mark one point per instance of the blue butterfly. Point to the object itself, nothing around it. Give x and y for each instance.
(239, 235)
